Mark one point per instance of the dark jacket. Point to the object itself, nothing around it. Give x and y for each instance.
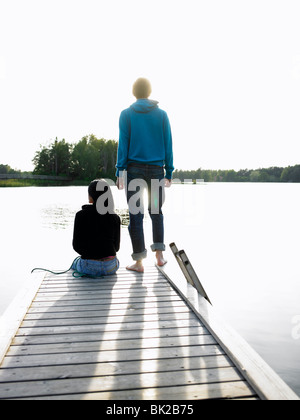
(96, 236)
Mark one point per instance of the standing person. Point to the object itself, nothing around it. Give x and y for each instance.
(97, 233)
(145, 155)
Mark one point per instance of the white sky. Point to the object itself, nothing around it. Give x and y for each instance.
(226, 71)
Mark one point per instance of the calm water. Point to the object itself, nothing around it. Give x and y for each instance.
(243, 240)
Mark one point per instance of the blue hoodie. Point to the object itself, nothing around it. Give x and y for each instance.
(145, 137)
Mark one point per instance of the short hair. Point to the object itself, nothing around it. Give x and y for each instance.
(141, 88)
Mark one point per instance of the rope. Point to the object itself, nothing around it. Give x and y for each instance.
(76, 274)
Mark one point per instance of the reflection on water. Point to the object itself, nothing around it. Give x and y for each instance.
(57, 217)
(124, 215)
(62, 217)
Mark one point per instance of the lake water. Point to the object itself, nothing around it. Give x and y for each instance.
(243, 240)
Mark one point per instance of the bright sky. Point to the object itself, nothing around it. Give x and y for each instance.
(226, 71)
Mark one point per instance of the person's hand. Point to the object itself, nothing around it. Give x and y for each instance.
(168, 183)
(120, 183)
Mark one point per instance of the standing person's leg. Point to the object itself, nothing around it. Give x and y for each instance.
(135, 191)
(156, 199)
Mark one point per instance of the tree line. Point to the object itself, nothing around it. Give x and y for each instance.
(92, 158)
(6, 169)
(88, 159)
(273, 174)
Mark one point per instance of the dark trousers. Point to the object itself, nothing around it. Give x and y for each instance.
(142, 177)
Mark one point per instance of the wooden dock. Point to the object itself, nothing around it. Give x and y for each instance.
(126, 337)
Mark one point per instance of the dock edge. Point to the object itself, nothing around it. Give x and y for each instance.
(264, 380)
(13, 316)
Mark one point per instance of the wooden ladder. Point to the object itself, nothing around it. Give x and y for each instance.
(188, 270)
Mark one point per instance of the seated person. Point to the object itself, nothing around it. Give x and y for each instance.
(97, 233)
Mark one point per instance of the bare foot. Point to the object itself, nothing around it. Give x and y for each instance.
(160, 259)
(138, 267)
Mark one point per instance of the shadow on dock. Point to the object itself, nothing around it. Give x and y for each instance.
(129, 336)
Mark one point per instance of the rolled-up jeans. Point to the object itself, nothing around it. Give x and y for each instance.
(139, 178)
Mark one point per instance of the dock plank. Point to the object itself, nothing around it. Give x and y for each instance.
(228, 390)
(81, 313)
(114, 368)
(110, 356)
(122, 382)
(95, 345)
(99, 320)
(108, 335)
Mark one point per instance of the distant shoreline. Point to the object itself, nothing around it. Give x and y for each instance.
(93, 158)
(19, 183)
(290, 174)
(12, 183)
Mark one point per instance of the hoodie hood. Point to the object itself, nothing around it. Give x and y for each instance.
(143, 106)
